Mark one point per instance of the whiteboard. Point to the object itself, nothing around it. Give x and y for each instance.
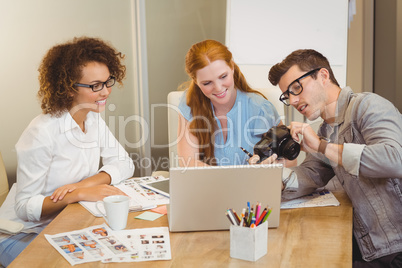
(261, 33)
(266, 31)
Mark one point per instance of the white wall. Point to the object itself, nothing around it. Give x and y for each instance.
(28, 29)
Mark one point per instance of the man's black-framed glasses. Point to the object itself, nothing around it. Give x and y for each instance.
(295, 88)
(99, 86)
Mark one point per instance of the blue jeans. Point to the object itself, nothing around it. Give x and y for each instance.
(12, 247)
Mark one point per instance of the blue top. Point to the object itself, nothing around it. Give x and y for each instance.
(249, 118)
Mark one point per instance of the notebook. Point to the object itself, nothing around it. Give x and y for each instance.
(200, 196)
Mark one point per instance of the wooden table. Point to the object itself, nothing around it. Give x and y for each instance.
(306, 237)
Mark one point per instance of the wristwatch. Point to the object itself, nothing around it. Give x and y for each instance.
(323, 144)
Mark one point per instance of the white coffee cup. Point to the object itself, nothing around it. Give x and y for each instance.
(116, 207)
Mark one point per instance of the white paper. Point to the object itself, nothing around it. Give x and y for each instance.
(316, 199)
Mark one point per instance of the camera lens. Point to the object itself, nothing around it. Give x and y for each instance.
(290, 150)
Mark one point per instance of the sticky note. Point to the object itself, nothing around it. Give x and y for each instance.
(149, 216)
(160, 210)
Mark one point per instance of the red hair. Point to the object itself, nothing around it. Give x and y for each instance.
(199, 56)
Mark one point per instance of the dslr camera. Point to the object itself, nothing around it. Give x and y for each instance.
(279, 141)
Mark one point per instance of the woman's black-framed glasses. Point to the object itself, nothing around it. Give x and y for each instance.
(295, 88)
(99, 86)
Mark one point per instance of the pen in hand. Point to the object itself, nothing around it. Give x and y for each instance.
(246, 152)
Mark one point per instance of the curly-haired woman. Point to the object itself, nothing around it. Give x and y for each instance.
(60, 151)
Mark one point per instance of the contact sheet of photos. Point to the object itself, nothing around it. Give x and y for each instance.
(148, 244)
(134, 183)
(100, 243)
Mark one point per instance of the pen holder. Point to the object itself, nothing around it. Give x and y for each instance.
(249, 244)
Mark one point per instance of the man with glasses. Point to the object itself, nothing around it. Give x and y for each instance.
(360, 142)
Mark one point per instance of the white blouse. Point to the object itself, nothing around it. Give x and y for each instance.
(52, 152)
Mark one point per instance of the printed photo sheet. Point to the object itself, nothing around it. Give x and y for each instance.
(158, 199)
(147, 244)
(100, 243)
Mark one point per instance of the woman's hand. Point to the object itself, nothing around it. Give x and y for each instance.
(91, 193)
(60, 192)
(273, 159)
(270, 160)
(102, 178)
(98, 192)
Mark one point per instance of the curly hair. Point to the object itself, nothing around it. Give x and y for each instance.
(62, 66)
(199, 56)
(306, 60)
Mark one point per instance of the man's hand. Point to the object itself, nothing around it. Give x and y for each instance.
(310, 141)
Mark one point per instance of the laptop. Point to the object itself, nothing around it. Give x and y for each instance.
(200, 196)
